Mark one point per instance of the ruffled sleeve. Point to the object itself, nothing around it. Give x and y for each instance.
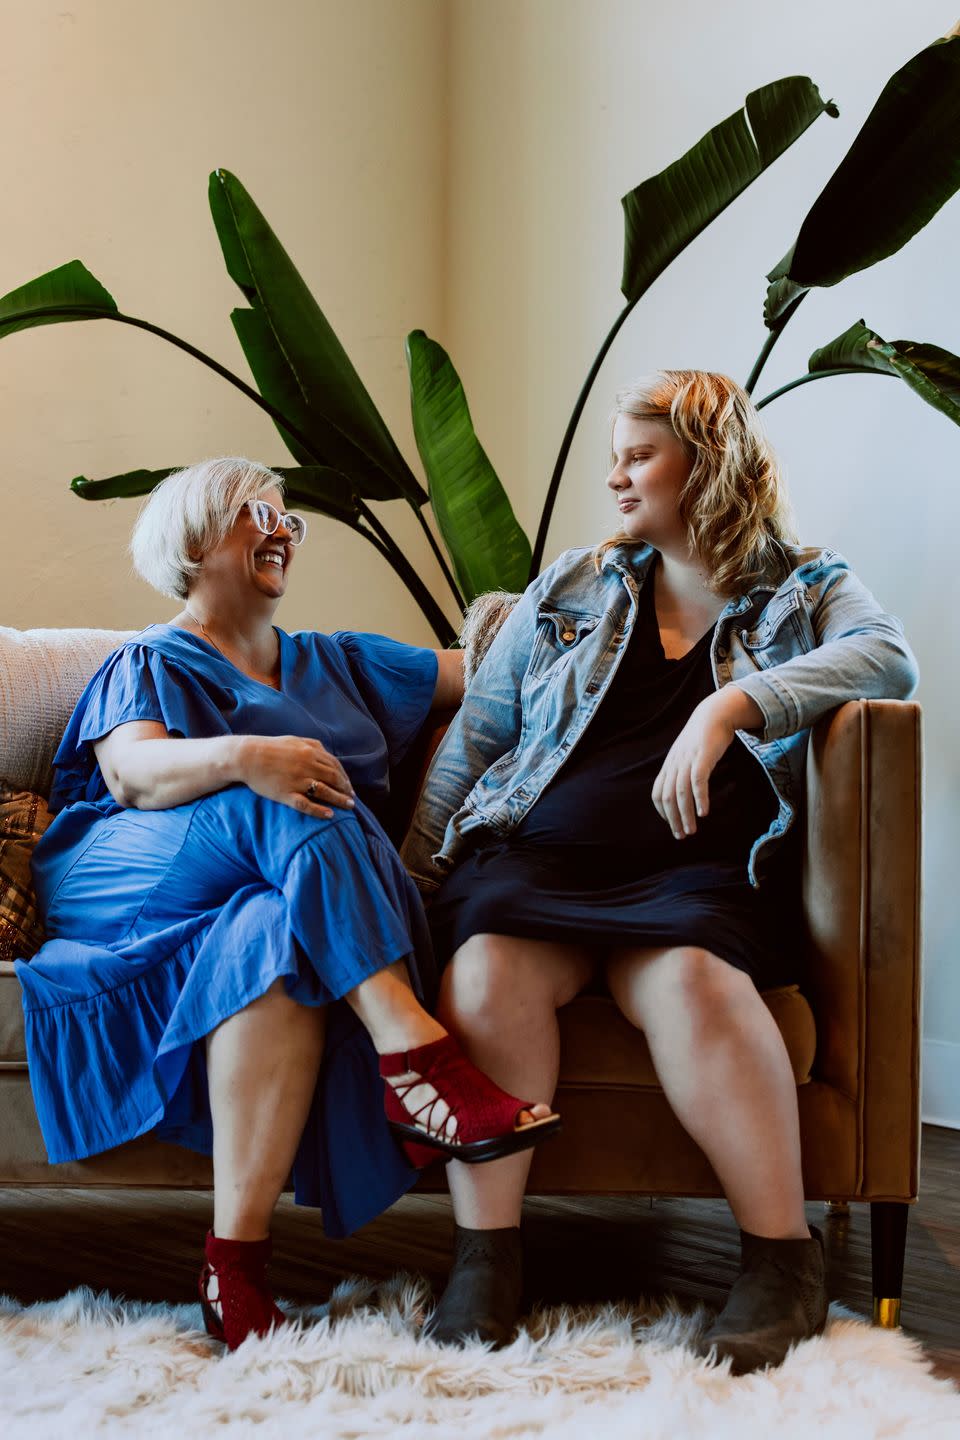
(134, 683)
(396, 682)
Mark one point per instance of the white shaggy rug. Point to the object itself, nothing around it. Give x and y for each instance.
(90, 1365)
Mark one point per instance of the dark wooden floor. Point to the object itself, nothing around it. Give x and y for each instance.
(145, 1244)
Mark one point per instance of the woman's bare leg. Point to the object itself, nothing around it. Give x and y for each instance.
(385, 1004)
(262, 1068)
(396, 1021)
(500, 997)
(725, 1070)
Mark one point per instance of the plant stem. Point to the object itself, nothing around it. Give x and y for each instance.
(395, 557)
(385, 544)
(70, 311)
(761, 360)
(554, 486)
(822, 375)
(455, 589)
(769, 343)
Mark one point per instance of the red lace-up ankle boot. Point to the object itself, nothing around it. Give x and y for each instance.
(234, 1295)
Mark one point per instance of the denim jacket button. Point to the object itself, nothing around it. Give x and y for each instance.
(567, 636)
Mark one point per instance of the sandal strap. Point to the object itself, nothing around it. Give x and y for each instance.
(441, 1127)
(481, 1109)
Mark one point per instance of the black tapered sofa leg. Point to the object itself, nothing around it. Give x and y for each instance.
(888, 1239)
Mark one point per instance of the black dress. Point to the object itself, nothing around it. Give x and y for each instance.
(593, 863)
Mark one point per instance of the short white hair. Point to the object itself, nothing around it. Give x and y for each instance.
(191, 512)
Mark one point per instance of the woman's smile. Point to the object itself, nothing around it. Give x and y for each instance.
(273, 556)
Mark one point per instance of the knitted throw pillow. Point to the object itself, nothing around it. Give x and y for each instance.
(42, 675)
(23, 819)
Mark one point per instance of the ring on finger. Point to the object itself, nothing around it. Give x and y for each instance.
(311, 790)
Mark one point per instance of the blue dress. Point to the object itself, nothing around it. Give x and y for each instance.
(162, 923)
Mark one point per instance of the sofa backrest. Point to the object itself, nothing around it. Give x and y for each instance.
(42, 675)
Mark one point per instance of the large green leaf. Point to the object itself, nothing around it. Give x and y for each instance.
(69, 293)
(317, 487)
(120, 487)
(933, 373)
(902, 167)
(670, 209)
(321, 488)
(297, 360)
(275, 380)
(486, 544)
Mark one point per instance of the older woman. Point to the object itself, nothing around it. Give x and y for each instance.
(618, 796)
(237, 960)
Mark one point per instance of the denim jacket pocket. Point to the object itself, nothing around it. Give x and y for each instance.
(559, 632)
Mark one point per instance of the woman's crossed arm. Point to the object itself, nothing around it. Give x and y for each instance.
(145, 768)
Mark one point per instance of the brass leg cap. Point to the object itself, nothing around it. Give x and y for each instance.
(886, 1313)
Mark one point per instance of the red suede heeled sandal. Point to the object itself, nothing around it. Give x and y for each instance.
(242, 1304)
(439, 1104)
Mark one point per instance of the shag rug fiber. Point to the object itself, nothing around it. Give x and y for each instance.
(92, 1365)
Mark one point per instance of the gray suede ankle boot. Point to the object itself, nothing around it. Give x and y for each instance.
(482, 1298)
(778, 1299)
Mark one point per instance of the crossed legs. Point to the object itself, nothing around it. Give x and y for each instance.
(262, 1068)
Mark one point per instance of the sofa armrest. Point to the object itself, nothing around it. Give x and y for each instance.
(861, 895)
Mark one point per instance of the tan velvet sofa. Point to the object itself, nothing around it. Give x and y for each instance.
(853, 1035)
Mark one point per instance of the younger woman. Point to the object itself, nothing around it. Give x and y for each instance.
(618, 794)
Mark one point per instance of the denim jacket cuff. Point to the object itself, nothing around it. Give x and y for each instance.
(781, 714)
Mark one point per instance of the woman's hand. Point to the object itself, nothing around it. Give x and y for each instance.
(681, 790)
(283, 767)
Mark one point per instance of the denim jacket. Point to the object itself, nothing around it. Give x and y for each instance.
(806, 638)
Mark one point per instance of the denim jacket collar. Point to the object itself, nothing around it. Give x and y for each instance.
(635, 560)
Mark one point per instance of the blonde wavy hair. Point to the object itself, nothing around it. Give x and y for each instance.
(734, 503)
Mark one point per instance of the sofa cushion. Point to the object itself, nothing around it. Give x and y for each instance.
(42, 675)
(23, 819)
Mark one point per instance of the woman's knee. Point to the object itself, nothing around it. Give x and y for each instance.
(690, 978)
(713, 991)
(256, 833)
(497, 974)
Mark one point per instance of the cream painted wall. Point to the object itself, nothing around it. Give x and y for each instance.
(458, 165)
(561, 106)
(114, 112)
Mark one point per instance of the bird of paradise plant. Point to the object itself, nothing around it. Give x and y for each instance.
(902, 167)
